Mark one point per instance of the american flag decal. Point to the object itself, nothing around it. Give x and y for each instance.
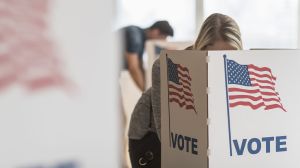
(28, 55)
(252, 86)
(179, 85)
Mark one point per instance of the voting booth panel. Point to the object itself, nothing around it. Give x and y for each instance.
(184, 108)
(259, 121)
(245, 115)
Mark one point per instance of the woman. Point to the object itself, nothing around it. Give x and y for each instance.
(218, 32)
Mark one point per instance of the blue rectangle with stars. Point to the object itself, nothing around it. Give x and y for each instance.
(173, 72)
(237, 73)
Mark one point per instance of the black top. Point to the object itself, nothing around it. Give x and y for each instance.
(133, 42)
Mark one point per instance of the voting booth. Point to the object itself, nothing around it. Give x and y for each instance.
(230, 109)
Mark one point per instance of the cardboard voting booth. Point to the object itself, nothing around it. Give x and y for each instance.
(230, 109)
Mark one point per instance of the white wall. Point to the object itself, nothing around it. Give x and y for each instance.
(298, 25)
(51, 126)
(199, 15)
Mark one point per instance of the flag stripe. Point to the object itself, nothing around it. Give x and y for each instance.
(182, 68)
(251, 91)
(184, 75)
(182, 104)
(263, 81)
(254, 94)
(262, 75)
(180, 90)
(246, 103)
(251, 66)
(263, 87)
(257, 106)
(275, 106)
(185, 87)
(181, 96)
(185, 81)
(257, 98)
(253, 88)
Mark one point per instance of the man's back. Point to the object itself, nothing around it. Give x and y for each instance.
(133, 42)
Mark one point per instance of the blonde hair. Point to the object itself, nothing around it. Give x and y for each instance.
(219, 27)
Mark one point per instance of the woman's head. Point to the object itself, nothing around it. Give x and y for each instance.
(219, 32)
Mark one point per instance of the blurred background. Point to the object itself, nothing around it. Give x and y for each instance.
(60, 85)
(264, 24)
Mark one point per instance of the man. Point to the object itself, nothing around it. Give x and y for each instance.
(134, 39)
